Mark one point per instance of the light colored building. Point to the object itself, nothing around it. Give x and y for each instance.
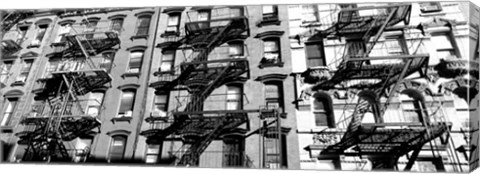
(328, 116)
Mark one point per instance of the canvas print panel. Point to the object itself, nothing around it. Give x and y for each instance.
(365, 86)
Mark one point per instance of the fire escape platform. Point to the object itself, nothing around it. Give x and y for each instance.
(350, 20)
(71, 126)
(196, 123)
(9, 47)
(359, 69)
(378, 139)
(93, 46)
(202, 32)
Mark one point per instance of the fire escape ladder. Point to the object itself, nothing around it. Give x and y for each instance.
(392, 91)
(192, 155)
(412, 159)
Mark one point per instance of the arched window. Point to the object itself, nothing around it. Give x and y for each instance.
(322, 110)
(117, 148)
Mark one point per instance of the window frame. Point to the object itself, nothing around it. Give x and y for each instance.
(238, 46)
(131, 69)
(25, 71)
(278, 59)
(123, 138)
(10, 110)
(122, 111)
(238, 101)
(321, 58)
(22, 34)
(41, 31)
(156, 154)
(143, 30)
(279, 99)
(170, 62)
(327, 110)
(112, 25)
(270, 16)
(176, 26)
(157, 104)
(5, 70)
(315, 13)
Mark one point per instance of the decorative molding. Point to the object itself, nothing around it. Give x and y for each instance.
(272, 33)
(269, 77)
(119, 132)
(117, 16)
(128, 86)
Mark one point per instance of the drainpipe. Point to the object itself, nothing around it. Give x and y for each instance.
(140, 122)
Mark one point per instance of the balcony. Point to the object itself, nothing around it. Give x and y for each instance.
(364, 19)
(78, 119)
(203, 28)
(219, 58)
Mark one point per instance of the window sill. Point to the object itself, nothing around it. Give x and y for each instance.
(18, 83)
(139, 37)
(160, 73)
(57, 44)
(266, 22)
(123, 118)
(430, 14)
(131, 74)
(6, 129)
(265, 65)
(170, 33)
(33, 46)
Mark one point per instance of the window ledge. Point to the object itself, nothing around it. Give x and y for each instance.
(170, 33)
(265, 22)
(57, 44)
(265, 65)
(130, 74)
(6, 129)
(139, 37)
(429, 14)
(18, 83)
(123, 118)
(160, 73)
(33, 46)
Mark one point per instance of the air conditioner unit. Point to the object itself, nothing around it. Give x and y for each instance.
(128, 114)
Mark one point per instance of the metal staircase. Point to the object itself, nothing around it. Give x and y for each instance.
(382, 142)
(201, 76)
(66, 118)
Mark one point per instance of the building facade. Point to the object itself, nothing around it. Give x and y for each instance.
(256, 86)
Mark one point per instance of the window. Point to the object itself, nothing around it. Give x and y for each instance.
(143, 25)
(309, 13)
(235, 49)
(428, 165)
(233, 151)
(117, 148)
(356, 48)
(11, 104)
(167, 61)
(107, 61)
(275, 151)
(53, 65)
(22, 33)
(273, 95)
(203, 15)
(394, 46)
(412, 109)
(27, 65)
(234, 98)
(463, 110)
(270, 12)
(117, 25)
(152, 154)
(37, 108)
(135, 64)
(82, 149)
(5, 70)
(62, 32)
(95, 103)
(127, 103)
(446, 45)
(41, 30)
(91, 26)
(173, 22)
(430, 7)
(271, 51)
(71, 65)
(315, 54)
(160, 105)
(321, 111)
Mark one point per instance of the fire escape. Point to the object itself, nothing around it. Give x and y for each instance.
(383, 143)
(200, 76)
(10, 19)
(66, 115)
